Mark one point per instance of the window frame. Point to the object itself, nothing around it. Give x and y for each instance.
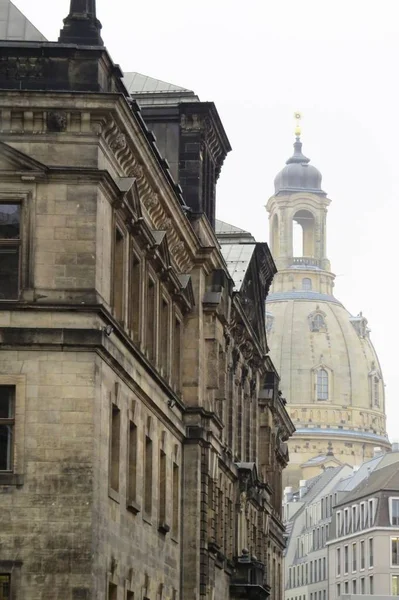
(322, 385)
(10, 582)
(119, 227)
(394, 566)
(391, 499)
(135, 260)
(394, 576)
(370, 554)
(9, 422)
(15, 476)
(25, 268)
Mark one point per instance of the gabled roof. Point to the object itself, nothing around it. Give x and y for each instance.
(14, 26)
(386, 478)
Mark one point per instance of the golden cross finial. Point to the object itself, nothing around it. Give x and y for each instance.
(297, 117)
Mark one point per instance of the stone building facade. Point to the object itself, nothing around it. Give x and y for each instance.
(142, 432)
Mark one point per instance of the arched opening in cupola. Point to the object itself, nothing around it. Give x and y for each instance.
(303, 234)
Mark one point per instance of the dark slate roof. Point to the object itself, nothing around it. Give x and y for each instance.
(14, 26)
(298, 175)
(150, 91)
(386, 478)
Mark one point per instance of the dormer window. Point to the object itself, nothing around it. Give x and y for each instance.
(394, 511)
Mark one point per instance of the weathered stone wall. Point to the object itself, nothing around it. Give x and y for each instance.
(46, 521)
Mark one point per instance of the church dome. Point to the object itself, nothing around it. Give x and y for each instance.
(298, 175)
(330, 376)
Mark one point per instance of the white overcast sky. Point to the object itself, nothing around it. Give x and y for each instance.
(259, 61)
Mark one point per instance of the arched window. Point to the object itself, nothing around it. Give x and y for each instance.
(303, 228)
(322, 384)
(306, 284)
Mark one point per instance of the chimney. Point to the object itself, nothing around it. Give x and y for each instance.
(303, 488)
(81, 26)
(288, 494)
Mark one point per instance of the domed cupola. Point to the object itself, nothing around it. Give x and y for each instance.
(298, 175)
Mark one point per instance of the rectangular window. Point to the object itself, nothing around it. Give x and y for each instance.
(395, 585)
(5, 587)
(324, 568)
(362, 516)
(362, 555)
(112, 591)
(362, 586)
(177, 354)
(354, 518)
(151, 318)
(354, 557)
(394, 511)
(115, 447)
(118, 275)
(338, 524)
(346, 587)
(148, 476)
(129, 595)
(10, 251)
(135, 298)
(175, 500)
(395, 552)
(7, 423)
(338, 561)
(162, 488)
(354, 587)
(346, 559)
(338, 590)
(132, 466)
(371, 585)
(371, 553)
(165, 337)
(371, 513)
(346, 520)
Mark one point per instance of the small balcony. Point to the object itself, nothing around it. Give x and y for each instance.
(249, 579)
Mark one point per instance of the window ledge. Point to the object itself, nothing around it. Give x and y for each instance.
(11, 479)
(132, 506)
(113, 495)
(147, 519)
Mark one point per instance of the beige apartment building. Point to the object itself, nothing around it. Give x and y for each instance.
(363, 549)
(360, 504)
(142, 433)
